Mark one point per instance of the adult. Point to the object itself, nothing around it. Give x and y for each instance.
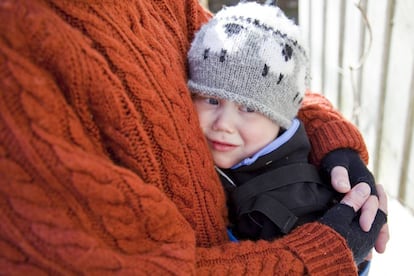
(103, 166)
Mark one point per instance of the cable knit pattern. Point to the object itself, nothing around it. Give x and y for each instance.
(103, 167)
(324, 131)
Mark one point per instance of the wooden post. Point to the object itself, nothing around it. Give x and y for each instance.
(204, 3)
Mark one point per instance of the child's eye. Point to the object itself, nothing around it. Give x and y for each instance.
(247, 109)
(212, 101)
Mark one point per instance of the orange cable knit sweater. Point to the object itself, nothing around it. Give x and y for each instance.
(103, 168)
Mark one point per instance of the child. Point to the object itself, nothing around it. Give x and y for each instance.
(248, 76)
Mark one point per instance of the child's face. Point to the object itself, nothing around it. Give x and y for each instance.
(233, 132)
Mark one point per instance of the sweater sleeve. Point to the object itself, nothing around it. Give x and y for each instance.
(328, 129)
(312, 249)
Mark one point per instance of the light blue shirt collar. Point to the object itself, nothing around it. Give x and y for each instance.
(279, 141)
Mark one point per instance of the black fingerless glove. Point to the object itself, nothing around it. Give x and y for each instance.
(349, 159)
(344, 220)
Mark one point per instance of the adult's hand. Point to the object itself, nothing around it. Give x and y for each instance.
(356, 169)
(341, 183)
(369, 207)
(343, 219)
(346, 169)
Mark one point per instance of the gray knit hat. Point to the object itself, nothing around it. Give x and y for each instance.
(251, 54)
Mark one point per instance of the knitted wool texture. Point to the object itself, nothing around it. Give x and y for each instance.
(251, 54)
(103, 167)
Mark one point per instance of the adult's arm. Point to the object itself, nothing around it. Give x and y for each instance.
(327, 128)
(328, 131)
(67, 208)
(103, 166)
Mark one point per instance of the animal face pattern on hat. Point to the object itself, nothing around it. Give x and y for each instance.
(251, 54)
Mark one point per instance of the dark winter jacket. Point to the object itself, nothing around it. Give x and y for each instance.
(276, 193)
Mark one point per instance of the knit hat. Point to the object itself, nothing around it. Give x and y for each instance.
(251, 54)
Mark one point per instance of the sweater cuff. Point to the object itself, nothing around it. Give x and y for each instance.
(322, 250)
(335, 135)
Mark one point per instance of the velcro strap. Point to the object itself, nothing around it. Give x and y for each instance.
(275, 179)
(251, 196)
(274, 211)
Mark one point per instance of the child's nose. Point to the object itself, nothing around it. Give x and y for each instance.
(225, 121)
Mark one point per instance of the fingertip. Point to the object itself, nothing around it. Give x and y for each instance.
(341, 186)
(363, 189)
(365, 224)
(382, 246)
(382, 196)
(383, 238)
(340, 179)
(357, 196)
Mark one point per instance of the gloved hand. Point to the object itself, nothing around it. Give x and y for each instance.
(344, 220)
(357, 170)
